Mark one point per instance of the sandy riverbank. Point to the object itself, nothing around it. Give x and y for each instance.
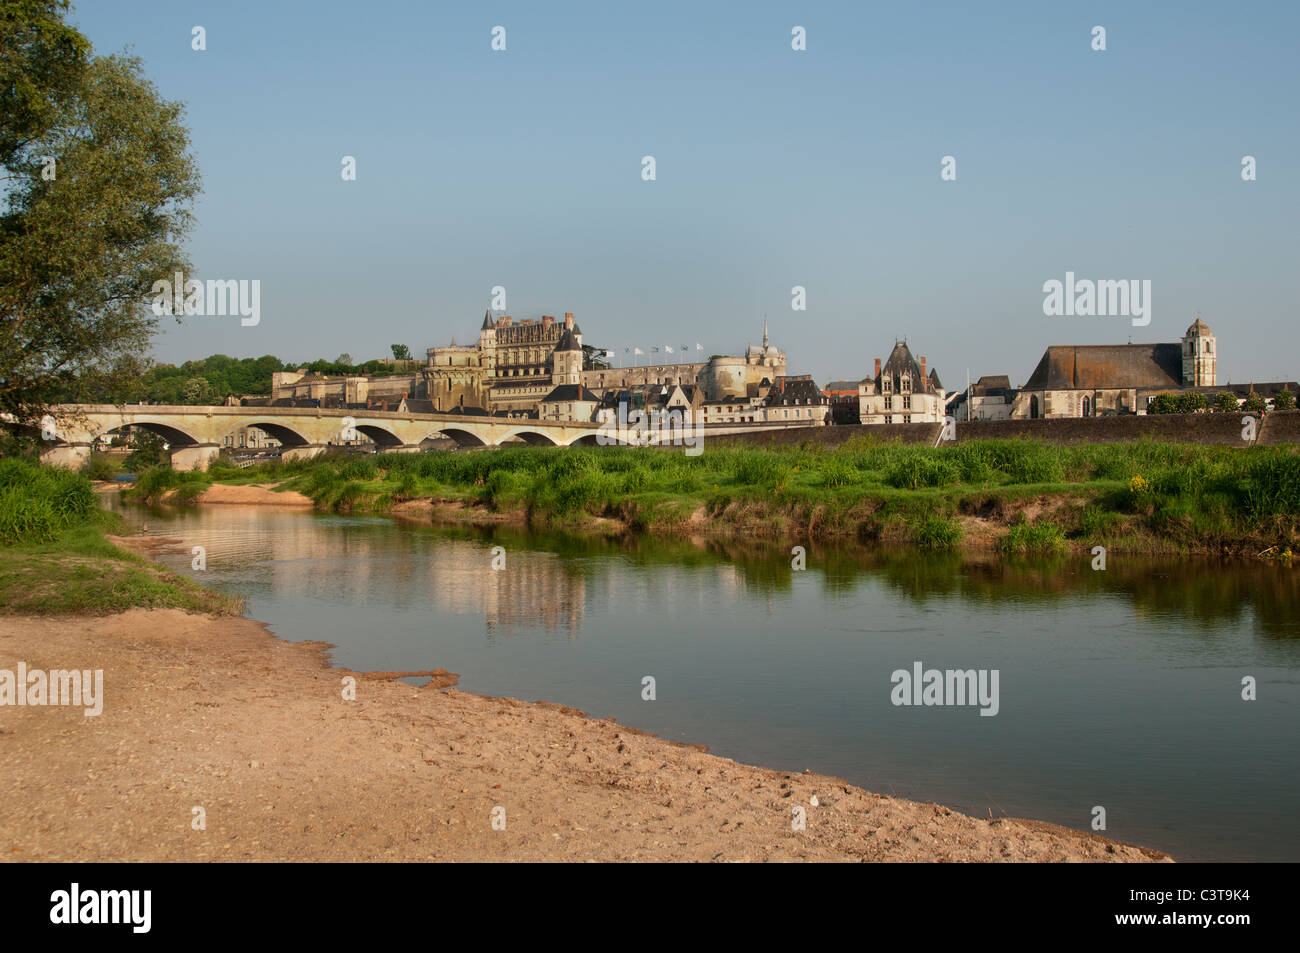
(216, 713)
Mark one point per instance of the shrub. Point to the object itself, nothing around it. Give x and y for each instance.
(100, 467)
(1226, 402)
(1039, 538)
(1163, 404)
(938, 532)
(1284, 400)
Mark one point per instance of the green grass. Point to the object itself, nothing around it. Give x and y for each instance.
(1025, 538)
(1201, 498)
(54, 557)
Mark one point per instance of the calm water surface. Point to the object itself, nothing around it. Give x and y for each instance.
(1119, 688)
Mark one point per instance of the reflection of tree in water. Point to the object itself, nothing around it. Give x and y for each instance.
(1207, 592)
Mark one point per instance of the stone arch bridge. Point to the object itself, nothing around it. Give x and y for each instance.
(196, 434)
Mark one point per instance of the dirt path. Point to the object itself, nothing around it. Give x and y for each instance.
(217, 713)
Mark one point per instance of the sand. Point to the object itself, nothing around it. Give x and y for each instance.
(216, 713)
(261, 494)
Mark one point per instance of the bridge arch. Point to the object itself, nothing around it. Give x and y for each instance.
(586, 440)
(383, 438)
(463, 438)
(530, 437)
(287, 436)
(174, 436)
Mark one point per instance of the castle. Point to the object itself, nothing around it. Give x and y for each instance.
(540, 368)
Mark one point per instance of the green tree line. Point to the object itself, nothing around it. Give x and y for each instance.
(206, 381)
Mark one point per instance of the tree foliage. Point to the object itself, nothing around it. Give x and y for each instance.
(42, 62)
(82, 239)
(1226, 402)
(1163, 404)
(1283, 400)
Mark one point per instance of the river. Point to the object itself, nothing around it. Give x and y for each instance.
(1119, 689)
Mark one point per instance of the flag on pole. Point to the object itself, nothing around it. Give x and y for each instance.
(699, 346)
(638, 350)
(668, 349)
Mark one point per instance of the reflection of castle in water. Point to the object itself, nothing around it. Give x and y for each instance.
(535, 590)
(368, 563)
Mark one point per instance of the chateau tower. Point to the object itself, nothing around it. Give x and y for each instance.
(567, 360)
(487, 342)
(1199, 357)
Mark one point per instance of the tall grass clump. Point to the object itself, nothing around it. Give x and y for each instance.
(922, 467)
(938, 532)
(38, 502)
(1044, 538)
(1270, 485)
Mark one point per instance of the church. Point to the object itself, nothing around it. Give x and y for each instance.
(1089, 380)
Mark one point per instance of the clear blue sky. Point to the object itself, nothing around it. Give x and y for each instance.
(775, 168)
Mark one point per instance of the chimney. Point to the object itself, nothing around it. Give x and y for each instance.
(568, 319)
(548, 320)
(877, 374)
(923, 377)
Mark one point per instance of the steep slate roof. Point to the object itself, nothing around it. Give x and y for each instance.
(1198, 325)
(900, 360)
(487, 321)
(934, 379)
(990, 385)
(571, 392)
(1107, 367)
(788, 390)
(568, 342)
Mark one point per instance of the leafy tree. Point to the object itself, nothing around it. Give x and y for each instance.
(1190, 402)
(593, 358)
(344, 360)
(42, 63)
(1226, 402)
(401, 352)
(1284, 400)
(1163, 404)
(1255, 404)
(149, 451)
(196, 391)
(80, 250)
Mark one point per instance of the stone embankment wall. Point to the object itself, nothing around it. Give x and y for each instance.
(1217, 429)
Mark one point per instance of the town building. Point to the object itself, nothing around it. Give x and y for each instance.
(844, 401)
(902, 391)
(989, 398)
